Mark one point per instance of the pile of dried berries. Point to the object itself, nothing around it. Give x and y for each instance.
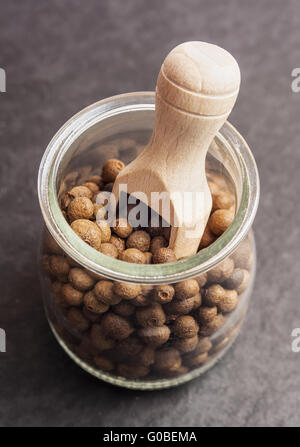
(132, 330)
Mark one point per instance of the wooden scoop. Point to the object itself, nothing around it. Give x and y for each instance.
(197, 86)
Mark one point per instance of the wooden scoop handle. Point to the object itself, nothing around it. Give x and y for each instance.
(196, 89)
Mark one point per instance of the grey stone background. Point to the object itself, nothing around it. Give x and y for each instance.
(62, 55)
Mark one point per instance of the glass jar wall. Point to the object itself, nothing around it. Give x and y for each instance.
(135, 325)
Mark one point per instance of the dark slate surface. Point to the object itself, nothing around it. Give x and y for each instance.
(59, 57)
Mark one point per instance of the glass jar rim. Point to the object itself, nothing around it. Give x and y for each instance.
(120, 270)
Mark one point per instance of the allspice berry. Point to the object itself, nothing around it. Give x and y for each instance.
(220, 220)
(145, 357)
(197, 300)
(221, 272)
(124, 308)
(163, 256)
(244, 284)
(105, 230)
(239, 280)
(140, 240)
(77, 320)
(72, 296)
(93, 304)
(204, 345)
(88, 231)
(201, 279)
(154, 336)
(80, 208)
(196, 360)
(104, 291)
(91, 316)
(243, 255)
(59, 267)
(109, 250)
(186, 289)
(118, 242)
(163, 293)
(205, 314)
(167, 359)
(122, 228)
(141, 301)
(158, 242)
(133, 255)
(80, 191)
(126, 291)
(207, 238)
(151, 316)
(80, 279)
(185, 326)
(222, 200)
(96, 179)
(111, 169)
(130, 346)
(212, 326)
(179, 307)
(100, 340)
(92, 186)
(185, 345)
(225, 300)
(115, 326)
(213, 295)
(228, 302)
(86, 349)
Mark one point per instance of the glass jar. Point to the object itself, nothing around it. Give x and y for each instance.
(158, 325)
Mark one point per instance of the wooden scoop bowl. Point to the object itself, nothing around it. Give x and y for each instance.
(197, 86)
